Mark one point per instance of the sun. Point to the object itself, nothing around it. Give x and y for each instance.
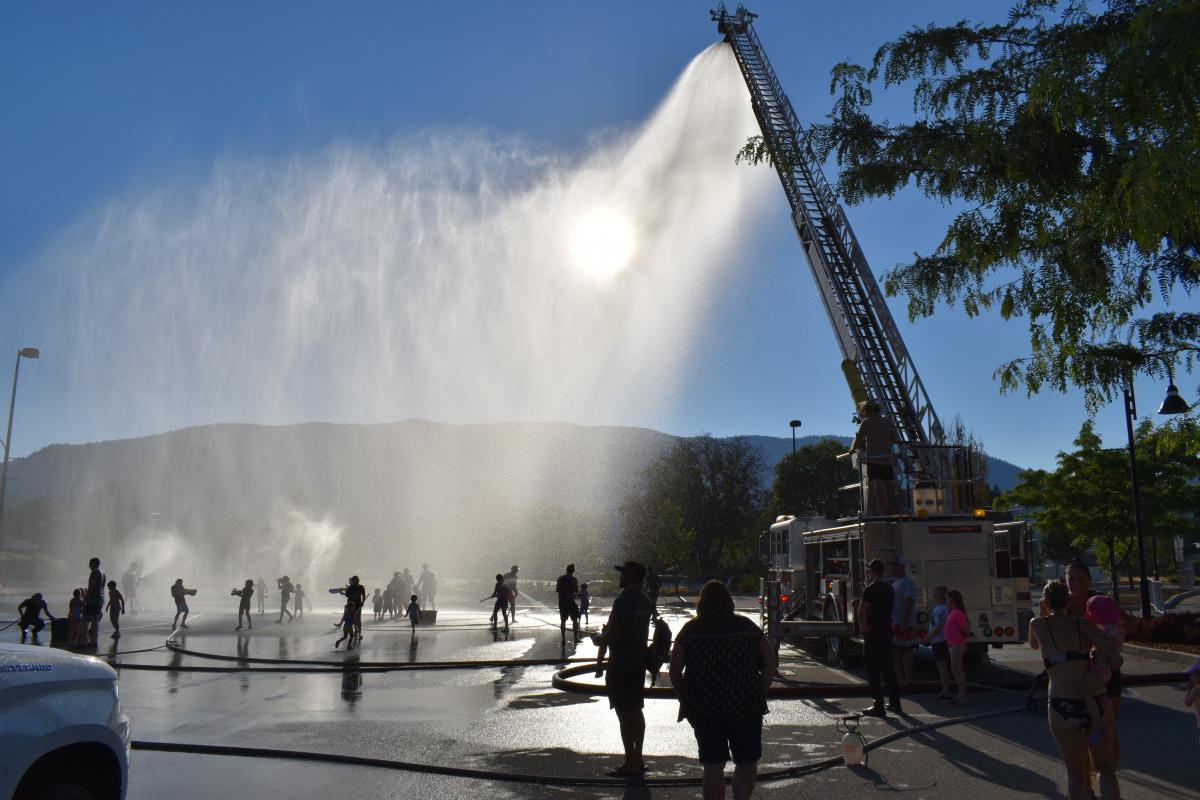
(602, 243)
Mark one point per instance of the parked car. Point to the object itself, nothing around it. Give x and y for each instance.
(63, 735)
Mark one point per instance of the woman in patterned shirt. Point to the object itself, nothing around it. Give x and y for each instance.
(721, 668)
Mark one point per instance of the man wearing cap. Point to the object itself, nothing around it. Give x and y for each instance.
(625, 678)
(874, 440)
(904, 621)
(567, 588)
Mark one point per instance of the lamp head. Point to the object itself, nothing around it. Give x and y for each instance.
(794, 423)
(29, 352)
(1173, 403)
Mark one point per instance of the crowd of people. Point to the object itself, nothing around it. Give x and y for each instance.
(721, 664)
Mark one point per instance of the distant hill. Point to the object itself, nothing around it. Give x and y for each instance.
(216, 497)
(1000, 472)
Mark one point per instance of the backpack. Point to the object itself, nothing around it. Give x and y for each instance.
(660, 646)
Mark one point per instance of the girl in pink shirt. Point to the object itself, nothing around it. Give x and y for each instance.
(958, 630)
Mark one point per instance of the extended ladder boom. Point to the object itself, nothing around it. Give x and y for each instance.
(863, 324)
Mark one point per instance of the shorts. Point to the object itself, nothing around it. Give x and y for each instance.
(93, 611)
(568, 611)
(1115, 684)
(907, 646)
(626, 688)
(716, 739)
(880, 472)
(941, 652)
(181, 607)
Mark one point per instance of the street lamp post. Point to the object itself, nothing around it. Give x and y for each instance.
(793, 425)
(27, 352)
(1130, 416)
(1172, 404)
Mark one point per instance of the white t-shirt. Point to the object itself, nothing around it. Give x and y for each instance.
(904, 589)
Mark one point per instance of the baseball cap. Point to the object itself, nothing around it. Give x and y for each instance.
(636, 570)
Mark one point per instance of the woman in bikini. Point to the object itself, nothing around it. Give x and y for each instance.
(1064, 641)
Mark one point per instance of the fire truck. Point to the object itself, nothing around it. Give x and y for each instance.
(816, 569)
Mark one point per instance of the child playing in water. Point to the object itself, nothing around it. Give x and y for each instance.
(584, 599)
(500, 592)
(377, 604)
(1104, 613)
(413, 612)
(116, 607)
(76, 634)
(349, 613)
(298, 605)
(246, 592)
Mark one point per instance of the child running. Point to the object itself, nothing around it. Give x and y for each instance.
(413, 612)
(347, 625)
(298, 605)
(116, 607)
(377, 604)
(1103, 612)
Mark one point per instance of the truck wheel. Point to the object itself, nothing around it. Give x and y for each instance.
(835, 646)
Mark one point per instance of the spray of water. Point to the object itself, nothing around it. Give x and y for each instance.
(456, 277)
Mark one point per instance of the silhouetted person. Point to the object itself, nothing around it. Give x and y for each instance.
(285, 596)
(874, 439)
(413, 612)
(115, 607)
(510, 580)
(653, 586)
(625, 678)
(349, 615)
(93, 601)
(180, 594)
(567, 588)
(356, 593)
(721, 669)
(875, 622)
(298, 601)
(76, 629)
(30, 611)
(403, 590)
(427, 587)
(130, 579)
(260, 586)
(500, 592)
(245, 593)
(377, 601)
(585, 600)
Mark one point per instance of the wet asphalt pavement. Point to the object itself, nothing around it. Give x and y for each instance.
(511, 720)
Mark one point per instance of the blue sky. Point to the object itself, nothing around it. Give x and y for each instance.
(102, 100)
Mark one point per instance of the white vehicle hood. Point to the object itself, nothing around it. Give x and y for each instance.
(24, 665)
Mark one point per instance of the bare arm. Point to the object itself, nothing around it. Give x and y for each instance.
(1096, 636)
(864, 616)
(769, 665)
(677, 669)
(1033, 637)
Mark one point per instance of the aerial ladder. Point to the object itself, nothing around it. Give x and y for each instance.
(816, 573)
(875, 361)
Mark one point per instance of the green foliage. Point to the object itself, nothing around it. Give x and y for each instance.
(806, 484)
(1069, 141)
(1086, 500)
(700, 506)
